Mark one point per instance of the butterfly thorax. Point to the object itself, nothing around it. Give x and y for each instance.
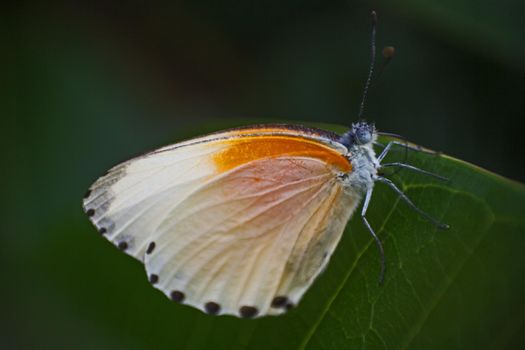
(364, 168)
(359, 141)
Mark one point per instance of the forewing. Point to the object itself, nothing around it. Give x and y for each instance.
(128, 203)
(239, 222)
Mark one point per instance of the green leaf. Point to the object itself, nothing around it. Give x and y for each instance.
(457, 289)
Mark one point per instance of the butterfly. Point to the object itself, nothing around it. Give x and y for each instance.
(241, 222)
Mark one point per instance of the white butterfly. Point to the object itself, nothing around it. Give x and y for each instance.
(239, 222)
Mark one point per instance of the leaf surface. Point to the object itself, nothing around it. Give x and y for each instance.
(456, 288)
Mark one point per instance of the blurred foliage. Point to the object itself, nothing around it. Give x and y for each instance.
(88, 84)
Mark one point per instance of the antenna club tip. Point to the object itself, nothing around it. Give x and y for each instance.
(374, 16)
(389, 52)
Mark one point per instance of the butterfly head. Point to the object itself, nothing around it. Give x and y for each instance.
(360, 134)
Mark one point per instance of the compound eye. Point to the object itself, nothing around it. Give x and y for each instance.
(364, 136)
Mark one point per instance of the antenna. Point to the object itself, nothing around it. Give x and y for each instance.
(372, 62)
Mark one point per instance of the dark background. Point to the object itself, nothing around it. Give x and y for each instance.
(89, 84)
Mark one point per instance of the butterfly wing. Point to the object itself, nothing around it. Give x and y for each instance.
(127, 203)
(234, 223)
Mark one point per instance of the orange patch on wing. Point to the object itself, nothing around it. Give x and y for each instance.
(246, 149)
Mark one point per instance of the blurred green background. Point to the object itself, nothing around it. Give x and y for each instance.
(87, 84)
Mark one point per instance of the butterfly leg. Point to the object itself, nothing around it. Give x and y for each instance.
(389, 145)
(413, 168)
(368, 196)
(415, 148)
(385, 151)
(410, 204)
